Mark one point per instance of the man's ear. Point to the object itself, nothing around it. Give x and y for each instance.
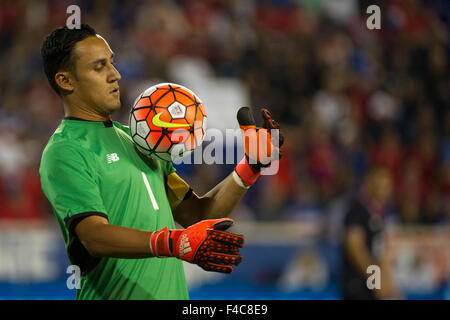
(64, 80)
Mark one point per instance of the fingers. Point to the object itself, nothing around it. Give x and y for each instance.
(219, 262)
(223, 224)
(208, 266)
(223, 258)
(215, 246)
(266, 114)
(280, 138)
(271, 124)
(220, 249)
(219, 224)
(261, 145)
(245, 117)
(226, 237)
(207, 253)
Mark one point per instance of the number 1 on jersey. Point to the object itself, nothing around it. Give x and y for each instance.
(150, 193)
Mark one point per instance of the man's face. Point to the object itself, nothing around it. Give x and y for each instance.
(96, 82)
(381, 186)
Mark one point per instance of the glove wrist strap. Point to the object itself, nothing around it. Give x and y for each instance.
(159, 243)
(162, 242)
(246, 173)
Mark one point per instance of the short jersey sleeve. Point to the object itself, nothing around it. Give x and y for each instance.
(177, 188)
(355, 217)
(69, 181)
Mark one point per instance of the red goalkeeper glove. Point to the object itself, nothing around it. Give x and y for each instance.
(205, 243)
(261, 145)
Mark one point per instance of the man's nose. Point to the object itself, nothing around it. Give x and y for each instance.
(115, 75)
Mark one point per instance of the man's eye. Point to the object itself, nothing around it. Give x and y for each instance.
(99, 66)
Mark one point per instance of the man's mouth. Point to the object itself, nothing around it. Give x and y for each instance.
(115, 91)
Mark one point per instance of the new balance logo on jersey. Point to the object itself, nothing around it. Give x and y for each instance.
(185, 246)
(112, 157)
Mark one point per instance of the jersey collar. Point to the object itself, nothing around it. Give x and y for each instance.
(107, 123)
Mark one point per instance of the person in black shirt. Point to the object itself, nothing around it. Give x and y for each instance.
(362, 243)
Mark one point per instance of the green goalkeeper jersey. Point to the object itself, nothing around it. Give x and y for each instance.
(92, 168)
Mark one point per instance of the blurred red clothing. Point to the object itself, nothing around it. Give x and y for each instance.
(322, 164)
(287, 175)
(25, 200)
(388, 153)
(282, 19)
(411, 185)
(10, 12)
(426, 161)
(412, 16)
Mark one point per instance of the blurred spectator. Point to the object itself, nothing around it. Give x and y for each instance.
(387, 152)
(321, 159)
(362, 239)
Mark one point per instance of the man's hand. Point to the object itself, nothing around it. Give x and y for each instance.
(205, 243)
(261, 145)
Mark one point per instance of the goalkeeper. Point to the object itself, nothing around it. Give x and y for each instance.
(117, 208)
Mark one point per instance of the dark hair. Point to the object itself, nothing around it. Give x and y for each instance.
(57, 50)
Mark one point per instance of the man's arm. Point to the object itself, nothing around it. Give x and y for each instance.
(209, 245)
(102, 239)
(219, 202)
(259, 151)
(355, 246)
(361, 258)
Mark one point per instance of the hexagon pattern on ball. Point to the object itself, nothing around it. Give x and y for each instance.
(163, 120)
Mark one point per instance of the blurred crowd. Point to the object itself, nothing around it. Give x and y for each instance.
(347, 98)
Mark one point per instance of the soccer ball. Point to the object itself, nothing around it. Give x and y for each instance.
(167, 121)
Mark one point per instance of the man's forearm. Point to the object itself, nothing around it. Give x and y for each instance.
(361, 259)
(357, 250)
(223, 198)
(219, 202)
(106, 240)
